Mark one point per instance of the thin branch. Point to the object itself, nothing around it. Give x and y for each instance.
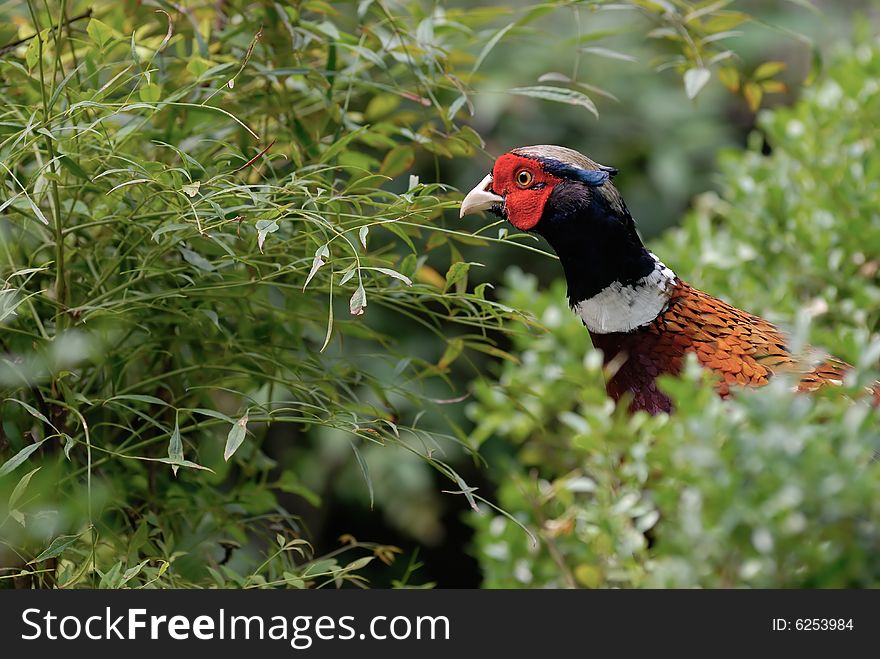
(15, 44)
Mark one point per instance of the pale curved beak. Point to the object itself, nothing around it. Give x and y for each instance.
(480, 199)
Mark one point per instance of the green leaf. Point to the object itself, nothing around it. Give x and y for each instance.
(329, 331)
(21, 487)
(608, 53)
(555, 76)
(191, 189)
(213, 317)
(453, 350)
(320, 567)
(290, 483)
(368, 183)
(723, 22)
(69, 443)
(55, 548)
(33, 412)
(695, 80)
(457, 105)
(490, 45)
(20, 457)
(492, 350)
(557, 95)
(773, 87)
(235, 438)
(264, 228)
(37, 211)
(196, 259)
(400, 233)
(213, 414)
(398, 160)
(139, 398)
(8, 32)
(340, 145)
(320, 254)
(131, 572)
(292, 580)
(175, 448)
(768, 70)
(381, 105)
(99, 32)
(182, 463)
(816, 65)
(32, 53)
(393, 273)
(753, 94)
(362, 235)
(358, 563)
(150, 93)
(729, 77)
(350, 272)
(358, 302)
(588, 576)
(167, 228)
(457, 272)
(73, 167)
(198, 66)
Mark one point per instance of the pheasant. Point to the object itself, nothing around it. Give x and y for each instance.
(638, 312)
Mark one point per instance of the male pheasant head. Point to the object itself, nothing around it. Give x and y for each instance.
(614, 282)
(522, 181)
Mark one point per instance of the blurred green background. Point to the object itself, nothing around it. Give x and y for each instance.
(767, 173)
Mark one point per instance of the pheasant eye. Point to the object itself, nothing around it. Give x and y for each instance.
(524, 178)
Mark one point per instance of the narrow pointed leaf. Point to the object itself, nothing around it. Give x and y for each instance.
(264, 228)
(33, 412)
(182, 463)
(558, 95)
(358, 302)
(607, 52)
(329, 321)
(393, 273)
(55, 548)
(322, 252)
(484, 53)
(235, 438)
(19, 457)
(175, 448)
(21, 487)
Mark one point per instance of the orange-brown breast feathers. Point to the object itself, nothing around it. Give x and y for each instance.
(743, 349)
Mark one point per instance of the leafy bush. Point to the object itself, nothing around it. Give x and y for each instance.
(770, 489)
(196, 217)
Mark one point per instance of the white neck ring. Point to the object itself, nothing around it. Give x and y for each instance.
(619, 308)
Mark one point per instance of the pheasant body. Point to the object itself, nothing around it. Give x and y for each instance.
(638, 312)
(741, 348)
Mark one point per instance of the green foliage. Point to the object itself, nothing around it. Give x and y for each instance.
(200, 217)
(770, 489)
(801, 225)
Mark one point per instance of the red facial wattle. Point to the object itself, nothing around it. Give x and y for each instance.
(524, 204)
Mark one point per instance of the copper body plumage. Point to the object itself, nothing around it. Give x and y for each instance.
(743, 349)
